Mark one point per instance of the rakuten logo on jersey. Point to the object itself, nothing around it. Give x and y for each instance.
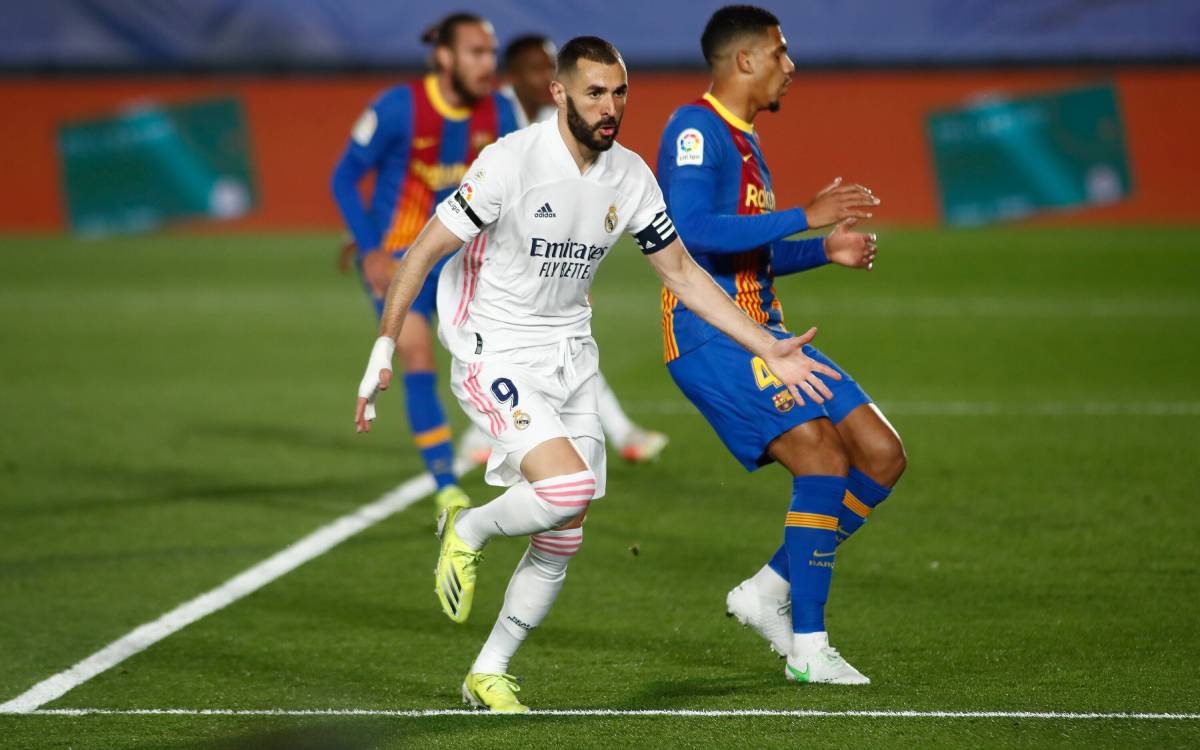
(567, 259)
(763, 200)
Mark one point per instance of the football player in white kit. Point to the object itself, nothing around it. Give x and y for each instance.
(529, 66)
(537, 213)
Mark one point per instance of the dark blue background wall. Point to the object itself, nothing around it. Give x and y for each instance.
(336, 33)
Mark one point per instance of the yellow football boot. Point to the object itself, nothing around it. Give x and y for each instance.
(450, 496)
(454, 576)
(495, 692)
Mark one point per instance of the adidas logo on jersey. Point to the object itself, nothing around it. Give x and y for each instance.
(545, 212)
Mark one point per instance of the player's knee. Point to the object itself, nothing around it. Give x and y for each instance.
(566, 497)
(814, 448)
(885, 461)
(416, 356)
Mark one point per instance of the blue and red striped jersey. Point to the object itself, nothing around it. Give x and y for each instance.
(419, 147)
(718, 192)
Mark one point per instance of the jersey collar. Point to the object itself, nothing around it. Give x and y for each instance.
(728, 116)
(440, 104)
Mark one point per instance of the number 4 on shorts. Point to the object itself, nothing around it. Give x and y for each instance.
(762, 375)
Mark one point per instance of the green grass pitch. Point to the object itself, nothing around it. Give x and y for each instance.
(177, 408)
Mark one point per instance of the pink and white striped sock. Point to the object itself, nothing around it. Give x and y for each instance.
(531, 591)
(527, 508)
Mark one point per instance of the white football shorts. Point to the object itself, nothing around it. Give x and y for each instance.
(521, 398)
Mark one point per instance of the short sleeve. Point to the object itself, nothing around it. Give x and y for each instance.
(480, 198)
(650, 225)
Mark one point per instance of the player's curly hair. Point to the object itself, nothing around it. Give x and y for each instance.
(731, 22)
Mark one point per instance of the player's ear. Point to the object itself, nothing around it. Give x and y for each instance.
(744, 59)
(559, 92)
(444, 57)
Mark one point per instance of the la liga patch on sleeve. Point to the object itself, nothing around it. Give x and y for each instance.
(689, 148)
(364, 128)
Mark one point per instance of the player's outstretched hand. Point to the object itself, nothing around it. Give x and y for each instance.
(377, 378)
(838, 202)
(851, 249)
(798, 371)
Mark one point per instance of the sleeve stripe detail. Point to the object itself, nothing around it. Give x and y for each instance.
(467, 210)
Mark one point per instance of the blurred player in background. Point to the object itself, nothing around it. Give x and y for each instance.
(529, 68)
(538, 212)
(418, 139)
(843, 454)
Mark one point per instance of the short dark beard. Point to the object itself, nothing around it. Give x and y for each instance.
(587, 134)
(773, 106)
(460, 87)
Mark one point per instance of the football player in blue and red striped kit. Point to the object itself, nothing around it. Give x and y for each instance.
(843, 454)
(418, 139)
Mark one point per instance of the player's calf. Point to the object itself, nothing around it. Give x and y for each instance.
(531, 592)
(877, 460)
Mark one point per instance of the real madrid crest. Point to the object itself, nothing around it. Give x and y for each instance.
(610, 221)
(521, 420)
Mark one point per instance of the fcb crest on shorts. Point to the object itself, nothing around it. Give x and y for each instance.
(784, 401)
(610, 220)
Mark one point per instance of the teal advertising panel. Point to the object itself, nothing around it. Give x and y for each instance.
(1005, 159)
(154, 164)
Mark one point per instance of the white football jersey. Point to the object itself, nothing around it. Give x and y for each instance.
(535, 231)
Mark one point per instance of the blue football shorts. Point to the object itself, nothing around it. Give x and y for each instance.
(746, 404)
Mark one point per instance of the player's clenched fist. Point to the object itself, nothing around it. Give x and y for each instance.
(798, 371)
(377, 378)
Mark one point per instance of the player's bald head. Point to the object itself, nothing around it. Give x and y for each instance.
(590, 48)
(732, 27)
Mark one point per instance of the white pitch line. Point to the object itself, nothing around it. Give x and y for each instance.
(286, 560)
(799, 713)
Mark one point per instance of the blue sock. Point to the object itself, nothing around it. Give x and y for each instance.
(810, 536)
(431, 431)
(779, 563)
(862, 495)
